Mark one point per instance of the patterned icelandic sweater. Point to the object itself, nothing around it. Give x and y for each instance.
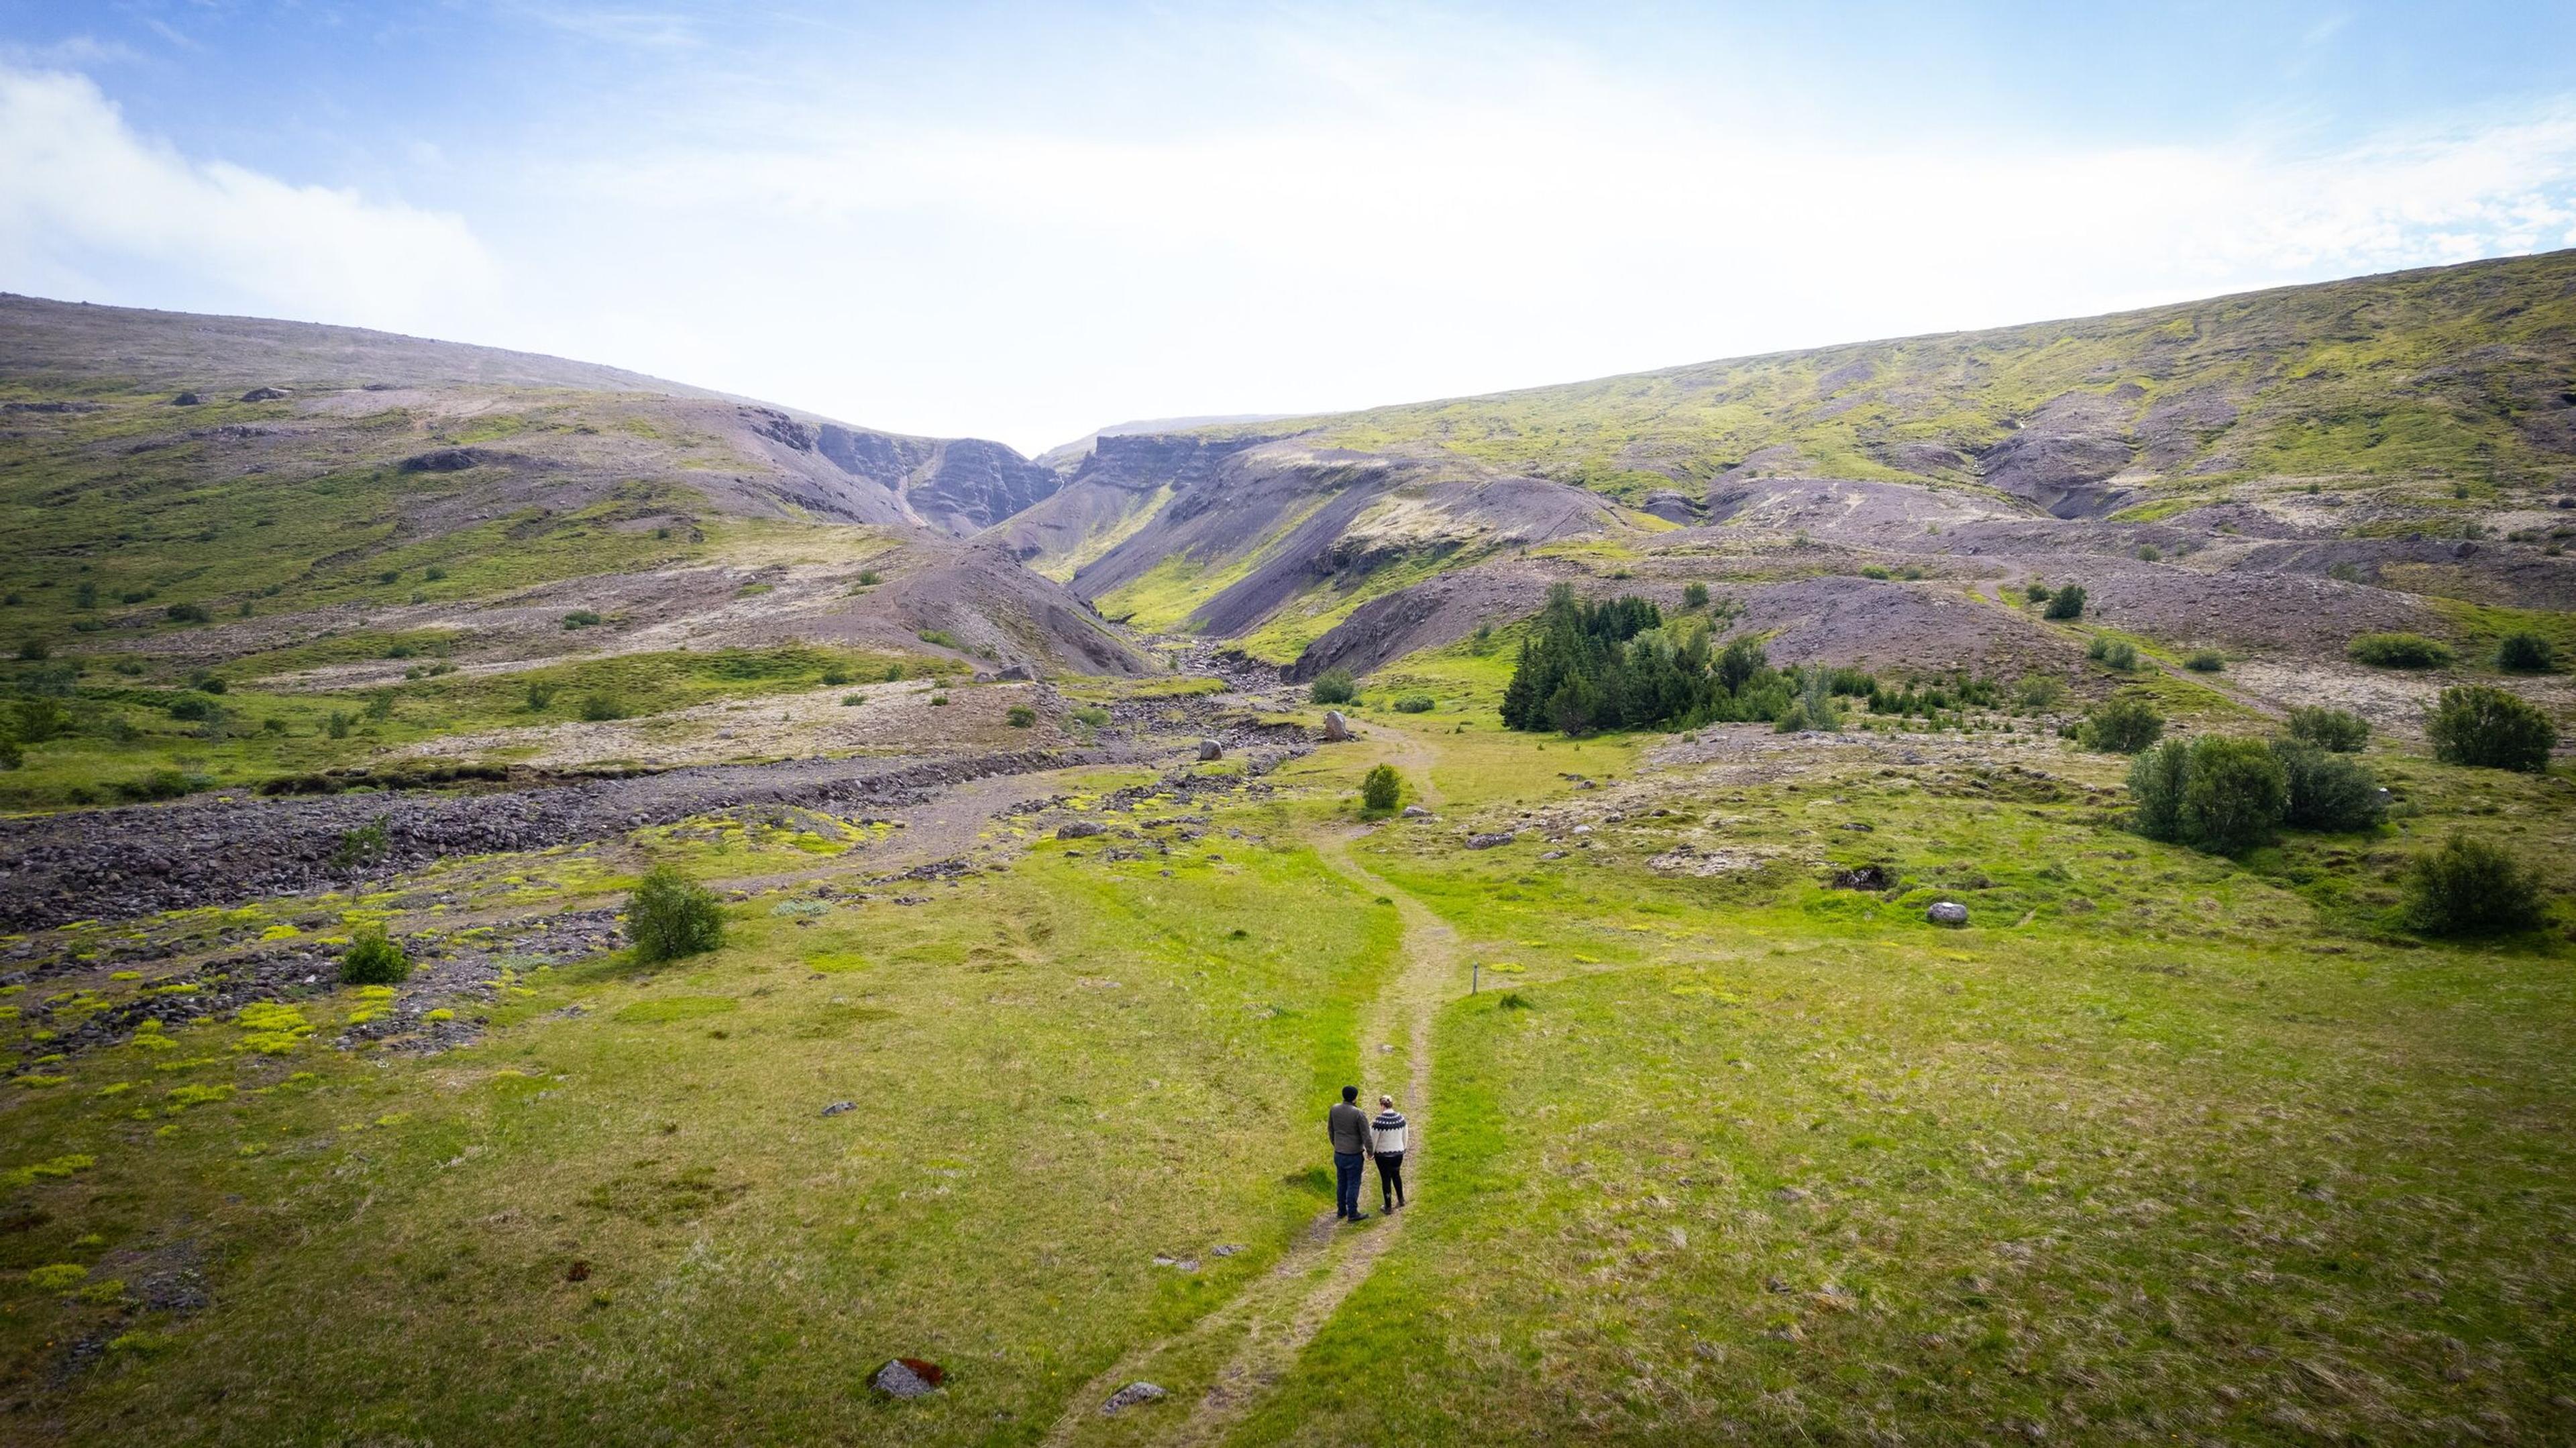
(1387, 1133)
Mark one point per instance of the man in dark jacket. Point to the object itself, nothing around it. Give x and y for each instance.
(1348, 1126)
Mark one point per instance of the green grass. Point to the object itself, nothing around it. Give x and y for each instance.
(2163, 1145)
(995, 1203)
(125, 733)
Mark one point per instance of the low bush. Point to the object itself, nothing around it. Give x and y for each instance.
(2340, 730)
(187, 613)
(2488, 728)
(2327, 791)
(835, 676)
(1414, 704)
(2041, 692)
(2214, 793)
(193, 707)
(870, 578)
(2205, 661)
(2400, 651)
(581, 618)
(2124, 724)
(939, 701)
(1873, 570)
(2523, 652)
(942, 637)
(668, 916)
(2149, 553)
(852, 701)
(337, 725)
(541, 696)
(1695, 595)
(599, 706)
(1380, 790)
(1021, 716)
(12, 754)
(2067, 602)
(2112, 653)
(374, 960)
(363, 845)
(1333, 686)
(1091, 716)
(2470, 887)
(2035, 591)
(159, 784)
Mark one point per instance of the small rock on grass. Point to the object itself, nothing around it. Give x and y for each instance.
(1129, 1396)
(838, 1107)
(1947, 912)
(1488, 841)
(907, 1378)
(1417, 812)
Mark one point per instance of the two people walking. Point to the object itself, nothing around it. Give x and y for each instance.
(1357, 1139)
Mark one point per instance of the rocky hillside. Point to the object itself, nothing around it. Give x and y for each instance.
(214, 489)
(2265, 474)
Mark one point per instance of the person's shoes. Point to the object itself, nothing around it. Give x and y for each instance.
(1359, 1216)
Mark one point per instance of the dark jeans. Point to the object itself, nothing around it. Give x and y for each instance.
(1390, 1178)
(1347, 1166)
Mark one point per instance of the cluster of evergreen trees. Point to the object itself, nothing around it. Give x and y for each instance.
(1620, 665)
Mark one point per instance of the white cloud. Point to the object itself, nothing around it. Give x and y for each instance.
(1548, 226)
(90, 209)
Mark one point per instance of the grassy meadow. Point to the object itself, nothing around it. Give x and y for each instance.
(2163, 1147)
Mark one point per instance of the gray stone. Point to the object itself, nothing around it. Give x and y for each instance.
(898, 1380)
(1077, 830)
(1488, 841)
(1947, 912)
(1336, 728)
(186, 399)
(1016, 674)
(839, 1107)
(1209, 750)
(1129, 1396)
(263, 394)
(1417, 812)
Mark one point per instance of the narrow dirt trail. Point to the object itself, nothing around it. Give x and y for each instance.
(1271, 1321)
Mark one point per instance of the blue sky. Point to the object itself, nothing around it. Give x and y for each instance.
(1023, 221)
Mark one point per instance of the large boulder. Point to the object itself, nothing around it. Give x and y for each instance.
(1210, 751)
(1947, 912)
(1336, 728)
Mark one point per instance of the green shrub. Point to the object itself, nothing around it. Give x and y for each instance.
(2205, 661)
(433, 573)
(2112, 653)
(1333, 686)
(34, 650)
(2491, 729)
(2035, 591)
(187, 613)
(374, 960)
(870, 578)
(835, 676)
(852, 701)
(2156, 781)
(159, 784)
(1414, 704)
(2399, 651)
(363, 845)
(893, 672)
(2470, 887)
(2340, 730)
(390, 575)
(40, 719)
(1876, 571)
(942, 637)
(581, 618)
(1695, 595)
(2327, 791)
(12, 754)
(1380, 790)
(1091, 716)
(2216, 793)
(939, 701)
(599, 706)
(337, 725)
(193, 707)
(2067, 602)
(2523, 652)
(2040, 692)
(541, 696)
(1021, 716)
(668, 916)
(380, 705)
(2149, 553)
(2123, 724)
